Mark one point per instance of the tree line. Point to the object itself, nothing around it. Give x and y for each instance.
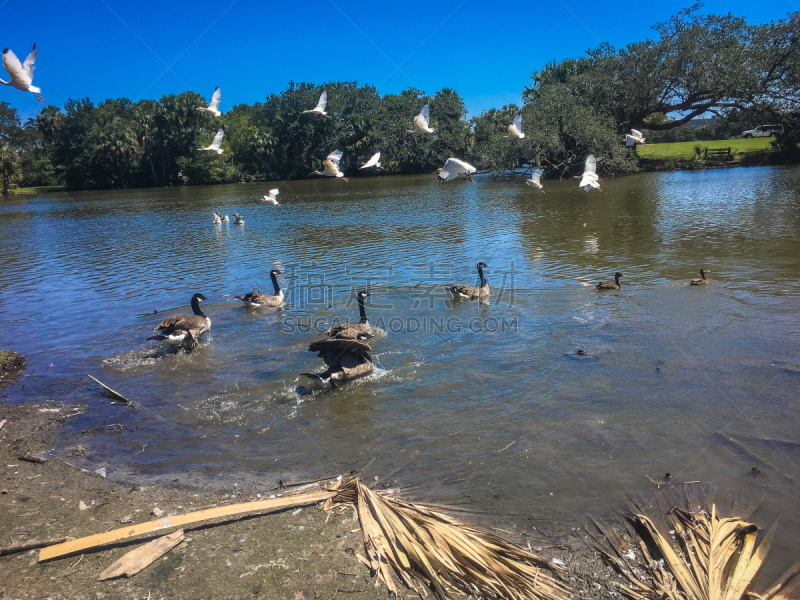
(694, 65)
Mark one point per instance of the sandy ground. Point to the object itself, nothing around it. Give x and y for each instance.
(305, 555)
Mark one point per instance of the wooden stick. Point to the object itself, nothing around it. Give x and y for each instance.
(115, 393)
(3, 422)
(30, 545)
(141, 557)
(150, 527)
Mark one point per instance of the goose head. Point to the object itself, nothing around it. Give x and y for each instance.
(482, 265)
(617, 275)
(198, 298)
(703, 272)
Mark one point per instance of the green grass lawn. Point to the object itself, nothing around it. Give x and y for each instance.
(685, 150)
(39, 190)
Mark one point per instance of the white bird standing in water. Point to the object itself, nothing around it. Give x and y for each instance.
(373, 162)
(515, 129)
(21, 74)
(331, 165)
(272, 197)
(589, 179)
(215, 145)
(633, 138)
(453, 168)
(319, 109)
(534, 180)
(421, 123)
(213, 106)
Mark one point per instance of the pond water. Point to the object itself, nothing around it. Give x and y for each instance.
(488, 402)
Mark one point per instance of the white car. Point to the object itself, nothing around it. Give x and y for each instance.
(764, 131)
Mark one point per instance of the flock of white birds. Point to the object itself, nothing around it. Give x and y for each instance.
(21, 78)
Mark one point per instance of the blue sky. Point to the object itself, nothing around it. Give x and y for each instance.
(485, 51)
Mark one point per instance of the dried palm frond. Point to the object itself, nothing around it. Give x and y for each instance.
(711, 558)
(426, 549)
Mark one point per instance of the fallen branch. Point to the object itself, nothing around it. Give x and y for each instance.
(31, 545)
(113, 392)
(139, 558)
(34, 459)
(142, 529)
(3, 422)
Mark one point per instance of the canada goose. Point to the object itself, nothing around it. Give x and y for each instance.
(217, 220)
(347, 359)
(470, 292)
(178, 329)
(702, 280)
(237, 220)
(351, 331)
(609, 285)
(257, 299)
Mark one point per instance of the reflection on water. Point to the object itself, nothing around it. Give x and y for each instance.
(701, 383)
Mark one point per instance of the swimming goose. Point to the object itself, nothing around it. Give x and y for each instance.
(421, 123)
(21, 74)
(217, 220)
(224, 219)
(237, 220)
(350, 331)
(179, 329)
(272, 197)
(589, 179)
(609, 285)
(534, 181)
(454, 167)
(471, 292)
(213, 106)
(257, 299)
(331, 164)
(702, 280)
(319, 109)
(346, 360)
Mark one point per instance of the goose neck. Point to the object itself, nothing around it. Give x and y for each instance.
(277, 287)
(196, 308)
(362, 311)
(483, 279)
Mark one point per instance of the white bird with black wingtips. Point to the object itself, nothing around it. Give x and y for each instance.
(272, 197)
(319, 109)
(21, 74)
(421, 122)
(213, 106)
(215, 145)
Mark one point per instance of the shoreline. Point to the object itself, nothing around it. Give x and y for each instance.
(306, 554)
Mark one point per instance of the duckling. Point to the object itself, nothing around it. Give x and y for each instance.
(347, 359)
(471, 292)
(605, 286)
(237, 220)
(257, 299)
(179, 329)
(702, 280)
(350, 331)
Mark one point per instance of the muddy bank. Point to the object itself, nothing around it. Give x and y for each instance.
(298, 555)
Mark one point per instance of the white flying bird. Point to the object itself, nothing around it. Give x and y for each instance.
(373, 162)
(215, 145)
(421, 123)
(213, 107)
(272, 197)
(515, 129)
(534, 180)
(590, 179)
(21, 74)
(453, 168)
(319, 109)
(633, 138)
(331, 165)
